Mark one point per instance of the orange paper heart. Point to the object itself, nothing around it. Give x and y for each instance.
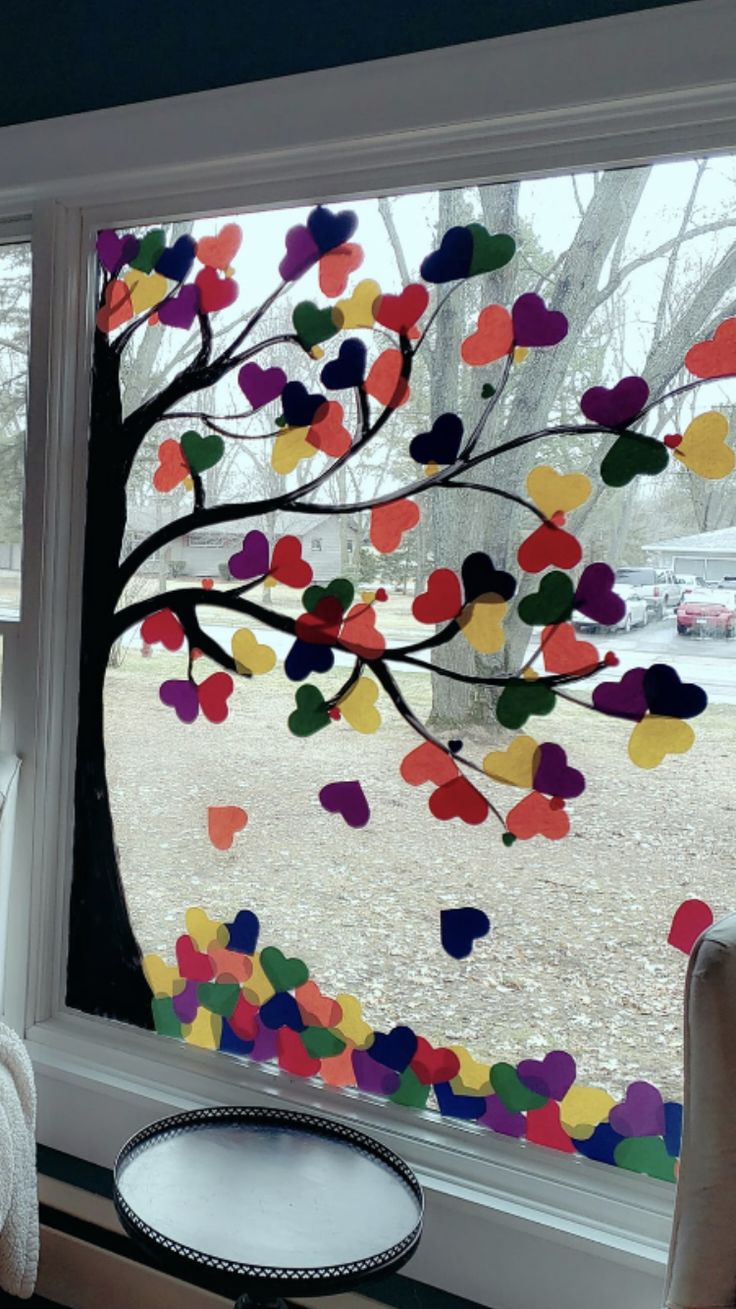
(390, 522)
(223, 821)
(492, 339)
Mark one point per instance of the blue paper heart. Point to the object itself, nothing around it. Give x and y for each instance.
(231, 1043)
(281, 1010)
(459, 1106)
(329, 230)
(442, 444)
(453, 259)
(480, 577)
(307, 657)
(461, 928)
(673, 1128)
(349, 367)
(394, 1049)
(665, 694)
(299, 406)
(175, 261)
(601, 1145)
(243, 931)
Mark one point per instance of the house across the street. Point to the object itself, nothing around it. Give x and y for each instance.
(711, 555)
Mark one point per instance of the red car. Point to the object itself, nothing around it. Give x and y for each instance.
(705, 612)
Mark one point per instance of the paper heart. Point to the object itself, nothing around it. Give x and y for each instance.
(312, 325)
(535, 815)
(359, 632)
(316, 1008)
(162, 978)
(596, 598)
(258, 989)
(252, 559)
(600, 1146)
(554, 492)
(213, 694)
(641, 1112)
(543, 1127)
(250, 655)
(624, 698)
(474, 1078)
(335, 268)
(442, 600)
(552, 1076)
(515, 765)
(481, 578)
(564, 653)
(394, 1049)
(400, 312)
(373, 1077)
(146, 290)
(665, 694)
(583, 1108)
(615, 406)
(149, 249)
(219, 251)
(453, 258)
(283, 974)
(114, 251)
(301, 252)
(646, 1155)
(180, 310)
(193, 964)
(549, 545)
(460, 929)
(520, 699)
(310, 715)
(434, 1065)
(329, 230)
(340, 589)
(281, 1010)
(348, 800)
(243, 932)
(633, 454)
(244, 1020)
(458, 798)
(715, 357)
(511, 1090)
(172, 466)
(489, 252)
(186, 1002)
(305, 658)
(261, 386)
(327, 432)
(290, 447)
(163, 626)
(673, 1122)
(175, 261)
(320, 625)
(205, 1032)
(703, 447)
(292, 1056)
(428, 763)
(321, 1044)
(500, 1119)
(219, 997)
(554, 776)
(165, 1021)
(411, 1092)
(116, 309)
(348, 370)
(385, 381)
(265, 1046)
(352, 1026)
(180, 695)
(300, 408)
(229, 965)
(452, 1105)
(389, 522)
(287, 565)
(442, 444)
(215, 292)
(690, 920)
(202, 452)
(223, 821)
(357, 310)
(204, 930)
(536, 325)
(655, 737)
(552, 603)
(338, 1071)
(358, 706)
(481, 623)
(492, 339)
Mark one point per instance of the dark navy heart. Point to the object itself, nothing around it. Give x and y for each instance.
(481, 578)
(281, 1010)
(175, 261)
(601, 1145)
(306, 657)
(461, 928)
(459, 1106)
(442, 444)
(673, 1128)
(453, 259)
(394, 1049)
(299, 406)
(666, 695)
(329, 230)
(243, 931)
(455, 745)
(231, 1043)
(349, 367)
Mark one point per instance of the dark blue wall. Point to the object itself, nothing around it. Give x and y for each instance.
(64, 56)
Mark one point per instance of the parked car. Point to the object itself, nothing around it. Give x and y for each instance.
(688, 582)
(657, 586)
(707, 612)
(636, 614)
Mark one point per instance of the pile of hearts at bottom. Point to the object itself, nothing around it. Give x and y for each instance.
(224, 993)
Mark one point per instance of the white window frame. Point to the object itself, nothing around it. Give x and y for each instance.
(508, 1225)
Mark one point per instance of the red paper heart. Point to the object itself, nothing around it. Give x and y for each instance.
(564, 653)
(535, 815)
(716, 356)
(223, 821)
(492, 339)
(328, 434)
(543, 1127)
(549, 545)
(442, 600)
(117, 308)
(293, 1058)
(400, 312)
(389, 522)
(690, 920)
(459, 799)
(165, 627)
(428, 763)
(244, 1020)
(172, 466)
(287, 565)
(219, 251)
(192, 963)
(213, 695)
(434, 1065)
(359, 632)
(336, 266)
(317, 1009)
(215, 292)
(322, 626)
(384, 381)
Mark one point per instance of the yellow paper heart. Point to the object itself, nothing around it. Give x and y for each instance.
(162, 978)
(472, 1078)
(703, 447)
(358, 706)
(289, 448)
(205, 1031)
(357, 310)
(583, 1108)
(656, 736)
(481, 623)
(352, 1026)
(146, 290)
(554, 492)
(368, 597)
(515, 765)
(520, 353)
(205, 931)
(257, 989)
(250, 655)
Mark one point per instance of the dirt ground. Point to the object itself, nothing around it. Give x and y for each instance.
(577, 958)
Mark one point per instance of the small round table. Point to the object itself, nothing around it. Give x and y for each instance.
(269, 1202)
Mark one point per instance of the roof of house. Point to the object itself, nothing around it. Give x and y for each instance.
(720, 542)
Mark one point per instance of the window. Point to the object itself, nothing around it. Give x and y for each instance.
(15, 302)
(316, 545)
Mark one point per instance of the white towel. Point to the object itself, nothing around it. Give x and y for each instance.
(18, 1181)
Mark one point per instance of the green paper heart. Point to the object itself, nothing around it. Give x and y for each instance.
(283, 974)
(151, 248)
(311, 714)
(340, 588)
(219, 997)
(165, 1019)
(508, 838)
(632, 454)
(321, 1044)
(552, 603)
(520, 699)
(511, 1092)
(281, 422)
(411, 1091)
(313, 325)
(487, 391)
(202, 452)
(489, 252)
(646, 1154)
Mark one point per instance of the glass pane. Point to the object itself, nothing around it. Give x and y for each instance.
(15, 312)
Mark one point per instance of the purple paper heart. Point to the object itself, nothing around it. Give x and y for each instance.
(252, 559)
(261, 385)
(182, 309)
(373, 1077)
(535, 324)
(596, 598)
(641, 1113)
(301, 252)
(503, 1120)
(394, 1049)
(113, 251)
(265, 1046)
(622, 699)
(617, 405)
(180, 694)
(348, 800)
(186, 1003)
(552, 1076)
(554, 776)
